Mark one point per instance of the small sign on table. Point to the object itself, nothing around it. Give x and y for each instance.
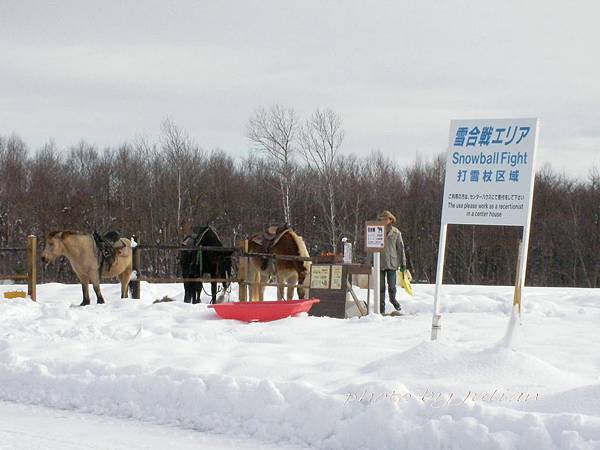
(319, 276)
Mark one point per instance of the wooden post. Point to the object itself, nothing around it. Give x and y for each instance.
(135, 266)
(515, 316)
(363, 311)
(32, 267)
(243, 272)
(518, 284)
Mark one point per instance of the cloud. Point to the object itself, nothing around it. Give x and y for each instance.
(397, 72)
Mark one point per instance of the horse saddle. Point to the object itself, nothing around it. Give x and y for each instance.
(268, 239)
(115, 238)
(109, 246)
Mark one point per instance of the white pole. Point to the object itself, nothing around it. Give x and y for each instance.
(516, 309)
(523, 258)
(376, 282)
(524, 248)
(436, 327)
(515, 316)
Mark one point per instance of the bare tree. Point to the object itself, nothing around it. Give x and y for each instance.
(274, 133)
(177, 147)
(594, 201)
(321, 138)
(143, 188)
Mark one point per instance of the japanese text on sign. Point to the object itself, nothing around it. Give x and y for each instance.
(489, 171)
(471, 137)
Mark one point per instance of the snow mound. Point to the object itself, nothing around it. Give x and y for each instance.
(581, 400)
(284, 412)
(435, 360)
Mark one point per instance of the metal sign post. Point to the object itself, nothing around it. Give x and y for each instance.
(375, 239)
(435, 325)
(489, 181)
(377, 282)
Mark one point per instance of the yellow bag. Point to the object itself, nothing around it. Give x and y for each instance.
(404, 280)
(15, 294)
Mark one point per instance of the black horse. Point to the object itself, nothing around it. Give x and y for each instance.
(200, 263)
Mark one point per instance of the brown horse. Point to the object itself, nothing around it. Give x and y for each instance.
(83, 254)
(282, 241)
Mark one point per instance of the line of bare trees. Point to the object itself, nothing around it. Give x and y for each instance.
(296, 172)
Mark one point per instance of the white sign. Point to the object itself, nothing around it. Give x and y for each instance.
(319, 276)
(489, 172)
(375, 236)
(489, 181)
(336, 277)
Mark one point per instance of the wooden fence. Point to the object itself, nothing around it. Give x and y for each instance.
(31, 275)
(241, 279)
(242, 273)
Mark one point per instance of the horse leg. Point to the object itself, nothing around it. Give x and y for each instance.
(124, 279)
(280, 288)
(301, 283)
(193, 292)
(290, 289)
(253, 288)
(197, 292)
(249, 286)
(86, 294)
(99, 298)
(301, 292)
(258, 287)
(213, 293)
(187, 296)
(225, 287)
(263, 278)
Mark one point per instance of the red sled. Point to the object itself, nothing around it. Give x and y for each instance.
(262, 311)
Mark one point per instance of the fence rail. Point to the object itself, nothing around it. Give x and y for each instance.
(186, 280)
(13, 277)
(187, 249)
(242, 279)
(225, 250)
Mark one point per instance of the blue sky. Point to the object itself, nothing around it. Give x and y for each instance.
(396, 72)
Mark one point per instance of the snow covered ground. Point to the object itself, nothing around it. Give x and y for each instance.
(175, 371)
(27, 427)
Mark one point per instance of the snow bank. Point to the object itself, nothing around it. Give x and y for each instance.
(582, 400)
(375, 382)
(367, 416)
(435, 360)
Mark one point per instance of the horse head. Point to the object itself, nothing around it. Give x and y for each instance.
(54, 247)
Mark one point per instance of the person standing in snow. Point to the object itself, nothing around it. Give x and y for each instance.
(393, 258)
